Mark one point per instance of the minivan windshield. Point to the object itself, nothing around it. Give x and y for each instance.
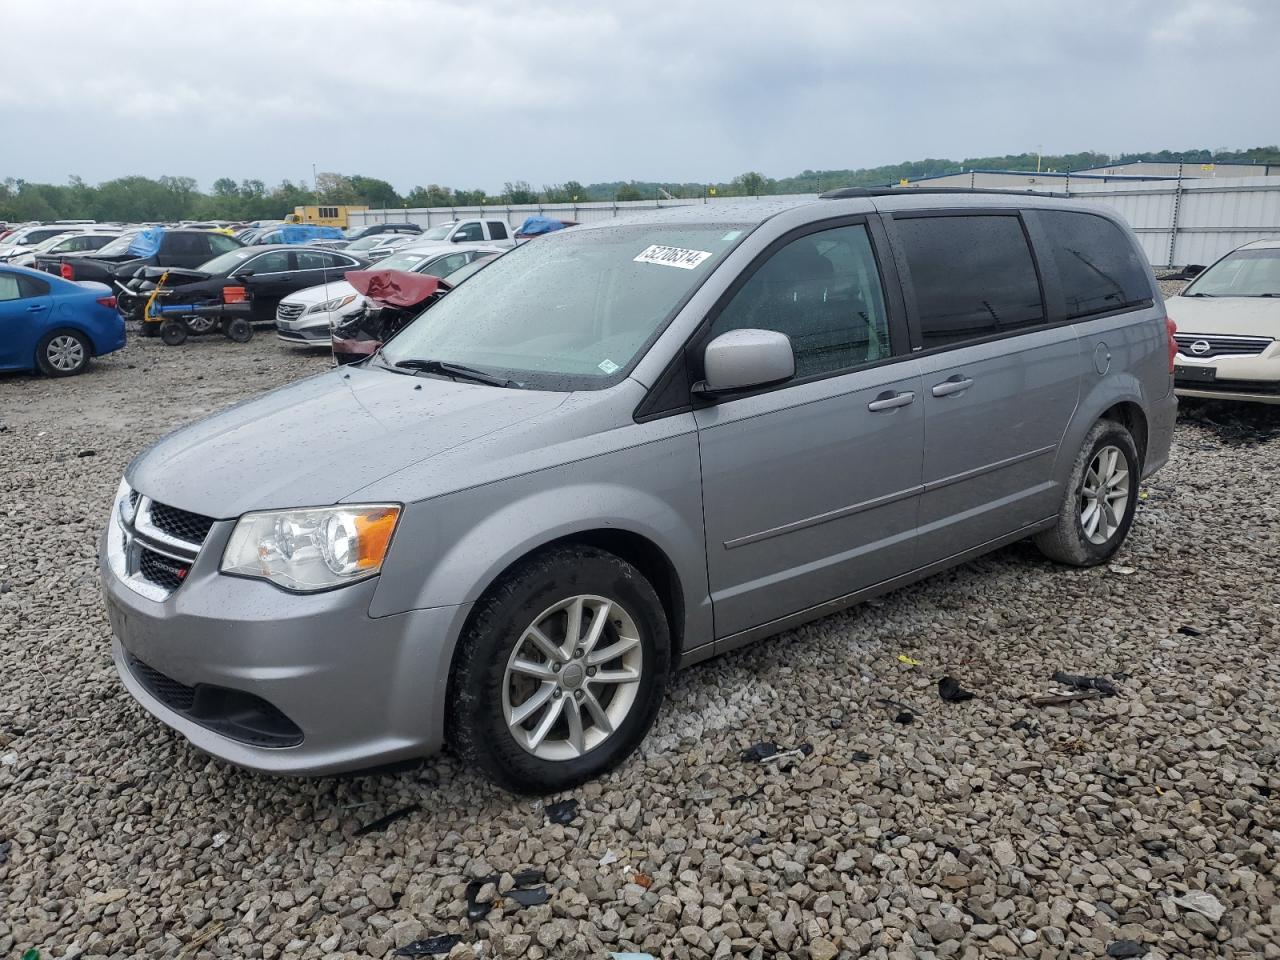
(571, 310)
(1241, 273)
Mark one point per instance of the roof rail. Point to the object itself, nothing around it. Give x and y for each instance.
(846, 192)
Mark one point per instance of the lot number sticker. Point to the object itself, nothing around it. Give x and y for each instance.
(672, 256)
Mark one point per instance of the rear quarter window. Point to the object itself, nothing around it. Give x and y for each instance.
(32, 287)
(1099, 266)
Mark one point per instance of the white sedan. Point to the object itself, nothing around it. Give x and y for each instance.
(307, 316)
(1229, 328)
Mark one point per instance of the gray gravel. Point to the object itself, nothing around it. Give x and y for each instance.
(983, 829)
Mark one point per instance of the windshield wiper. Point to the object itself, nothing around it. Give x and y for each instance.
(1198, 295)
(456, 370)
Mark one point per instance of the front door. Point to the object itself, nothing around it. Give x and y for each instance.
(1000, 383)
(810, 490)
(24, 316)
(269, 278)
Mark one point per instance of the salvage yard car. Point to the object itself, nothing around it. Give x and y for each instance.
(308, 316)
(1229, 319)
(51, 325)
(493, 232)
(626, 447)
(23, 241)
(268, 274)
(358, 335)
(119, 261)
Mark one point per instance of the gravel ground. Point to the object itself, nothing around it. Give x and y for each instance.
(987, 828)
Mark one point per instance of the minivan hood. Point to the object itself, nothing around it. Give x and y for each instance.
(318, 441)
(320, 293)
(1242, 316)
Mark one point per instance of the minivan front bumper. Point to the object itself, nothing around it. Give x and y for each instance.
(280, 682)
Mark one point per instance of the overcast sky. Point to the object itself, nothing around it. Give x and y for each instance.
(472, 94)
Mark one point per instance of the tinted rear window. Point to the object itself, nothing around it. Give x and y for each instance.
(973, 277)
(1098, 265)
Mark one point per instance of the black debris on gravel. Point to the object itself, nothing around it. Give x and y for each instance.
(562, 812)
(383, 822)
(949, 689)
(431, 946)
(1077, 682)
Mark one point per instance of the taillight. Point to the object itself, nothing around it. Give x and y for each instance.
(68, 273)
(1173, 344)
(108, 302)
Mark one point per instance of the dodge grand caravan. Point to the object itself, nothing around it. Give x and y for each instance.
(627, 447)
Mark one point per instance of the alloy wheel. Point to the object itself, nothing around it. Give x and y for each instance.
(1104, 495)
(572, 678)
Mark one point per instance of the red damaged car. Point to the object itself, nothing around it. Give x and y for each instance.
(394, 297)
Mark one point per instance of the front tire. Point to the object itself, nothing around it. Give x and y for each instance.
(63, 353)
(561, 671)
(1100, 501)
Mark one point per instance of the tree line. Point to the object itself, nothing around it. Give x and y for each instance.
(166, 199)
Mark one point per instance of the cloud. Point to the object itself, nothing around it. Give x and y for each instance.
(469, 94)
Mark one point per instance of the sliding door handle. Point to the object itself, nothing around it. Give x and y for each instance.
(891, 401)
(948, 387)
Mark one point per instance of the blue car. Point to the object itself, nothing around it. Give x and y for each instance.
(53, 325)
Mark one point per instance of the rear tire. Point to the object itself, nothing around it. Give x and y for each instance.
(532, 704)
(63, 353)
(1100, 500)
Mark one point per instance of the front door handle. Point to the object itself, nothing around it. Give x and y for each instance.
(35, 308)
(891, 401)
(956, 384)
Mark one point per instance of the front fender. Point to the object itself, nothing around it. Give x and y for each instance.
(450, 550)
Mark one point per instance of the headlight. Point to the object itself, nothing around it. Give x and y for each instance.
(313, 548)
(337, 303)
(124, 502)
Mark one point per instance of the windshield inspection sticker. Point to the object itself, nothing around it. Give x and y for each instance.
(608, 366)
(672, 256)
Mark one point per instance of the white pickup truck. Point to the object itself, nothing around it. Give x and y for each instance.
(492, 232)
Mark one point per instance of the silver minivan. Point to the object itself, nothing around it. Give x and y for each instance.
(627, 447)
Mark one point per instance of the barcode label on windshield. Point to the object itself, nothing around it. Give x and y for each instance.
(672, 256)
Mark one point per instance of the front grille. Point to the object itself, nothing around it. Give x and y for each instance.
(1220, 345)
(133, 499)
(174, 695)
(181, 524)
(161, 570)
(289, 311)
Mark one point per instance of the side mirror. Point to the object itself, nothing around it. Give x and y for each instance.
(458, 238)
(1192, 270)
(241, 275)
(742, 359)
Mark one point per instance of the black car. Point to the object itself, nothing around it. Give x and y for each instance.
(114, 263)
(355, 233)
(268, 274)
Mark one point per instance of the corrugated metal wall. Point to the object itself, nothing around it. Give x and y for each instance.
(1193, 221)
(1177, 221)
